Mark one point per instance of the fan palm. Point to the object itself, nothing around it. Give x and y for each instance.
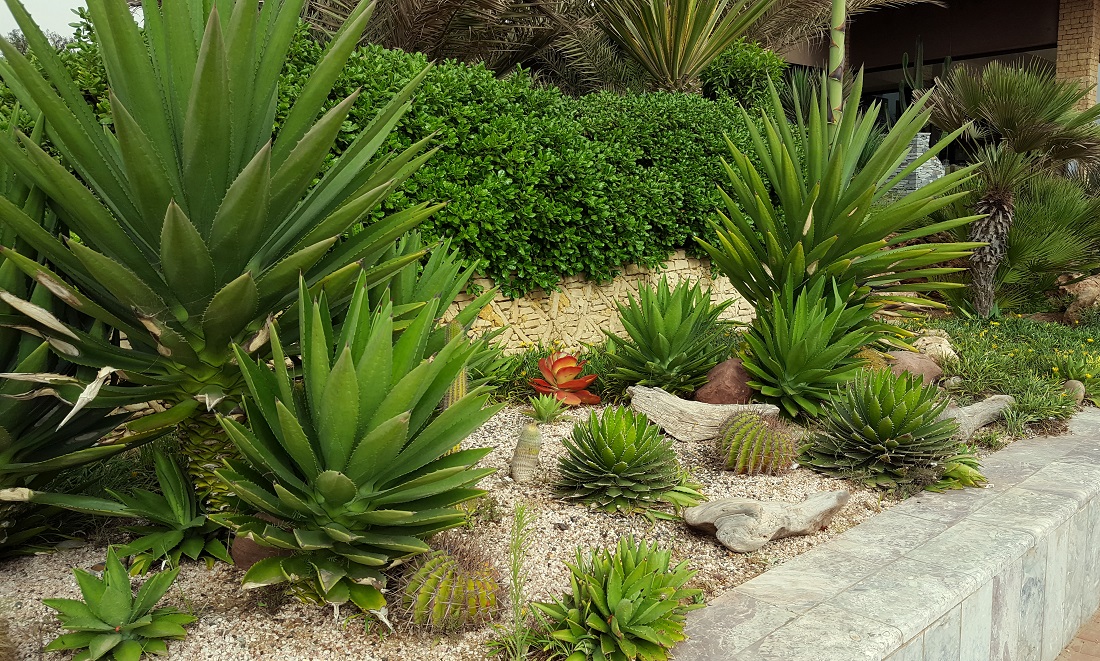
(194, 224)
(1022, 119)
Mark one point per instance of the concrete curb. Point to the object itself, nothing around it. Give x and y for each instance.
(1009, 572)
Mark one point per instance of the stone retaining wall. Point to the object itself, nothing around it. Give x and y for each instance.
(581, 309)
(1005, 573)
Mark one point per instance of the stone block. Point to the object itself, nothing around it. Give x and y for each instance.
(1007, 611)
(827, 633)
(946, 508)
(808, 580)
(885, 537)
(1032, 603)
(1078, 480)
(979, 549)
(943, 640)
(1036, 512)
(976, 627)
(729, 624)
(1054, 604)
(908, 594)
(912, 651)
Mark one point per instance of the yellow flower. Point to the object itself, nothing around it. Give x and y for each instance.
(1089, 340)
(1088, 376)
(1054, 369)
(995, 323)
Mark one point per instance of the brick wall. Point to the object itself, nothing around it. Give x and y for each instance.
(1079, 42)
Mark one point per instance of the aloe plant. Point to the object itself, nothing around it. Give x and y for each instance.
(194, 221)
(352, 468)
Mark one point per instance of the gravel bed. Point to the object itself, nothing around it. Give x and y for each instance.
(234, 624)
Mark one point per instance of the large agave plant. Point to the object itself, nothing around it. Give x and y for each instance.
(831, 212)
(628, 603)
(33, 450)
(620, 462)
(352, 468)
(194, 223)
(886, 431)
(673, 338)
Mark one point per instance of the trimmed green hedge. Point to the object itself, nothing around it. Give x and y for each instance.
(541, 185)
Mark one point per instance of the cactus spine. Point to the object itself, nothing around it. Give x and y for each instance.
(448, 592)
(755, 445)
(526, 457)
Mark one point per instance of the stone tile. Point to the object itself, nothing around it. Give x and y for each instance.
(1036, 512)
(908, 594)
(808, 580)
(943, 640)
(1080, 481)
(1037, 452)
(1004, 473)
(729, 623)
(1085, 452)
(1054, 608)
(946, 508)
(978, 548)
(1007, 607)
(1032, 603)
(827, 633)
(977, 625)
(1077, 554)
(885, 537)
(1086, 423)
(1092, 591)
(912, 651)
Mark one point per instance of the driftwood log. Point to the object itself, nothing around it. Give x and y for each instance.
(684, 419)
(744, 525)
(977, 415)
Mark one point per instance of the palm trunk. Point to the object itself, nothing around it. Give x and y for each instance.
(205, 446)
(993, 229)
(835, 85)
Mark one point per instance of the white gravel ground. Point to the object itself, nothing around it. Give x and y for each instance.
(234, 625)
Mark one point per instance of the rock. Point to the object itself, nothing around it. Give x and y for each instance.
(974, 417)
(1075, 389)
(744, 525)
(936, 347)
(952, 383)
(917, 364)
(246, 552)
(1086, 295)
(684, 419)
(727, 383)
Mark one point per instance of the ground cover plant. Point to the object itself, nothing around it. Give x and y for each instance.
(1020, 357)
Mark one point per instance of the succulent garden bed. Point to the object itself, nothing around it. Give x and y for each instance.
(237, 624)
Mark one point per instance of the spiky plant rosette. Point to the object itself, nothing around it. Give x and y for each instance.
(624, 604)
(111, 621)
(351, 468)
(620, 462)
(561, 378)
(885, 431)
(671, 338)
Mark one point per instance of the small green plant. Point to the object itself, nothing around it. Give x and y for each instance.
(960, 471)
(672, 338)
(753, 444)
(801, 348)
(561, 378)
(742, 72)
(624, 604)
(885, 431)
(110, 620)
(1083, 366)
(546, 409)
(515, 639)
(179, 527)
(452, 588)
(619, 462)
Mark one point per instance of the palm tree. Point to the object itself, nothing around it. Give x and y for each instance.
(1019, 120)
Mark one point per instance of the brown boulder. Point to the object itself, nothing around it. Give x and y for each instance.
(246, 552)
(727, 383)
(1086, 295)
(917, 364)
